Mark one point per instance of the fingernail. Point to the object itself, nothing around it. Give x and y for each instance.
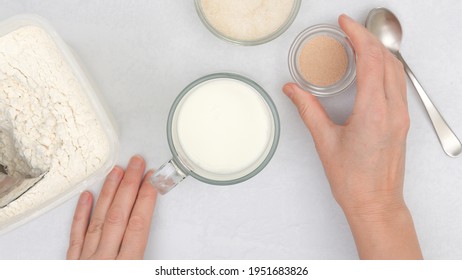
(149, 174)
(137, 161)
(115, 173)
(347, 17)
(84, 198)
(288, 90)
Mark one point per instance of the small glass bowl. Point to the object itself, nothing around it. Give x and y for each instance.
(295, 50)
(269, 37)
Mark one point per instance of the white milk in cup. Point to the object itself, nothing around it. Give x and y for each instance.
(222, 129)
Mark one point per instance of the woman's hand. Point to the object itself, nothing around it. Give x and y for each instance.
(364, 158)
(119, 226)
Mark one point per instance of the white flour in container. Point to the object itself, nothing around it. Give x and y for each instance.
(247, 20)
(46, 121)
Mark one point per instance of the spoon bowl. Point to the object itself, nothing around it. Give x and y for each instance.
(386, 27)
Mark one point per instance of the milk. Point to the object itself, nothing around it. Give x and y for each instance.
(223, 127)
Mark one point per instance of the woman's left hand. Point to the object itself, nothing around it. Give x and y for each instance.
(119, 226)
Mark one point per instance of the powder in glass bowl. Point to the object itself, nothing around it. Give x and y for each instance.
(247, 20)
(323, 61)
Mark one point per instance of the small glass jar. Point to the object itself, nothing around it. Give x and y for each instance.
(249, 42)
(348, 77)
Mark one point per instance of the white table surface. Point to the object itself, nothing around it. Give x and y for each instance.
(142, 54)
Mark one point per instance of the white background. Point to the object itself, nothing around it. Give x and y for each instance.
(142, 53)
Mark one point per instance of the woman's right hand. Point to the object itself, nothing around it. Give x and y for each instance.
(364, 158)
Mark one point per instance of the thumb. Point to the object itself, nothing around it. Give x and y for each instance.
(311, 111)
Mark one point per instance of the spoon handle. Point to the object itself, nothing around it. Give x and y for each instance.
(449, 141)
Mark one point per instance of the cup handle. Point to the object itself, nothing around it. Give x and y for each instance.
(167, 177)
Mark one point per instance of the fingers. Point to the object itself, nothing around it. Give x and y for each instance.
(369, 60)
(105, 199)
(311, 111)
(79, 226)
(110, 226)
(395, 81)
(117, 216)
(380, 74)
(401, 78)
(137, 232)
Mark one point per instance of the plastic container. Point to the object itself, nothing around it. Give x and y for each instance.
(306, 35)
(282, 28)
(101, 113)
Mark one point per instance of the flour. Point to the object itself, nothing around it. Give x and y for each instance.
(247, 20)
(46, 121)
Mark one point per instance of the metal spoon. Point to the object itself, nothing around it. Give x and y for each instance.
(12, 188)
(386, 27)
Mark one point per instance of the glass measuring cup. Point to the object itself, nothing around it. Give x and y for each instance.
(222, 129)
